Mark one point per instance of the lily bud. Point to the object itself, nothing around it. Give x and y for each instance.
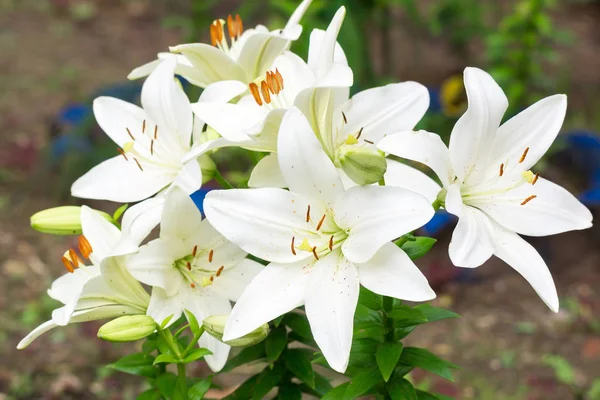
(364, 165)
(65, 220)
(208, 167)
(215, 326)
(127, 328)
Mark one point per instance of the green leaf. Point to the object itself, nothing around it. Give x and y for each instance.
(362, 382)
(199, 389)
(298, 362)
(299, 324)
(337, 393)
(418, 247)
(267, 380)
(421, 395)
(194, 325)
(166, 321)
(435, 313)
(166, 358)
(401, 389)
(196, 354)
(136, 364)
(594, 392)
(373, 332)
(563, 370)
(289, 392)
(422, 358)
(369, 299)
(245, 390)
(387, 357)
(166, 383)
(247, 355)
(150, 394)
(119, 212)
(364, 317)
(149, 345)
(275, 343)
(407, 316)
(277, 321)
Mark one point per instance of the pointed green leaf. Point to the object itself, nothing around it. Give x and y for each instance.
(289, 392)
(199, 389)
(407, 316)
(363, 382)
(245, 390)
(337, 393)
(435, 313)
(136, 364)
(166, 358)
(418, 247)
(150, 394)
(194, 325)
(195, 355)
(166, 383)
(275, 343)
(387, 357)
(421, 395)
(267, 380)
(401, 389)
(299, 324)
(247, 355)
(369, 299)
(119, 212)
(422, 358)
(298, 362)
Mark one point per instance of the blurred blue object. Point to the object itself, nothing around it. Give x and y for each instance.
(198, 198)
(435, 106)
(436, 225)
(74, 114)
(584, 149)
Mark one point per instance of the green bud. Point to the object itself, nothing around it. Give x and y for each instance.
(215, 326)
(127, 328)
(364, 165)
(65, 220)
(208, 167)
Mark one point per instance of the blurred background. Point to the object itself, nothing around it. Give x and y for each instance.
(57, 55)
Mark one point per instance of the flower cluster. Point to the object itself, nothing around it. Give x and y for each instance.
(323, 207)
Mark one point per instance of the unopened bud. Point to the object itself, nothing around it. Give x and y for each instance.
(364, 165)
(127, 328)
(208, 167)
(215, 326)
(65, 220)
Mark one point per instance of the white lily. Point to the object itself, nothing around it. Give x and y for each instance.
(246, 55)
(322, 242)
(488, 184)
(152, 143)
(269, 95)
(102, 290)
(191, 266)
(346, 125)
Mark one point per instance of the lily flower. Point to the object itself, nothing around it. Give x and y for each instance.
(276, 90)
(488, 184)
(349, 128)
(191, 266)
(322, 242)
(152, 143)
(244, 57)
(102, 290)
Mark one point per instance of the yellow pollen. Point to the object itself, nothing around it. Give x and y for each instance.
(528, 176)
(127, 147)
(305, 245)
(351, 140)
(206, 281)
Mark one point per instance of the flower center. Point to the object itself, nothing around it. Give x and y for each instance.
(266, 92)
(192, 273)
(321, 238)
(235, 27)
(71, 260)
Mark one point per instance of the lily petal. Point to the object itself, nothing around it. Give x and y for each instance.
(297, 15)
(117, 179)
(233, 281)
(535, 128)
(34, 334)
(520, 255)
(210, 64)
(473, 133)
(219, 117)
(421, 146)
(137, 223)
(386, 109)
(162, 306)
(102, 235)
(305, 167)
(114, 117)
(180, 217)
(260, 221)
(331, 301)
(472, 241)
(277, 289)
(267, 173)
(259, 52)
(553, 209)
(327, 46)
(375, 215)
(392, 273)
(404, 176)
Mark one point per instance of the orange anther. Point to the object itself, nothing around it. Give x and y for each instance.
(85, 248)
(218, 273)
(321, 222)
(188, 265)
(121, 152)
(331, 243)
(527, 200)
(231, 26)
(314, 251)
(129, 133)
(501, 169)
(143, 126)
(308, 213)
(279, 78)
(210, 255)
(293, 249)
(535, 178)
(219, 31)
(524, 155)
(254, 90)
(193, 285)
(239, 25)
(195, 250)
(264, 89)
(74, 258)
(213, 34)
(67, 264)
(155, 132)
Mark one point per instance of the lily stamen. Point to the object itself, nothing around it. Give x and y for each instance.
(524, 155)
(143, 126)
(218, 273)
(368, 141)
(360, 133)
(293, 249)
(138, 164)
(331, 243)
(314, 251)
(501, 169)
(121, 152)
(152, 147)
(188, 265)
(254, 90)
(74, 258)
(85, 248)
(194, 251)
(129, 133)
(68, 265)
(210, 255)
(321, 222)
(264, 88)
(527, 200)
(155, 132)
(308, 213)
(535, 178)
(344, 117)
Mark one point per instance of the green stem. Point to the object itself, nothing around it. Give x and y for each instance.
(221, 180)
(182, 381)
(193, 342)
(170, 344)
